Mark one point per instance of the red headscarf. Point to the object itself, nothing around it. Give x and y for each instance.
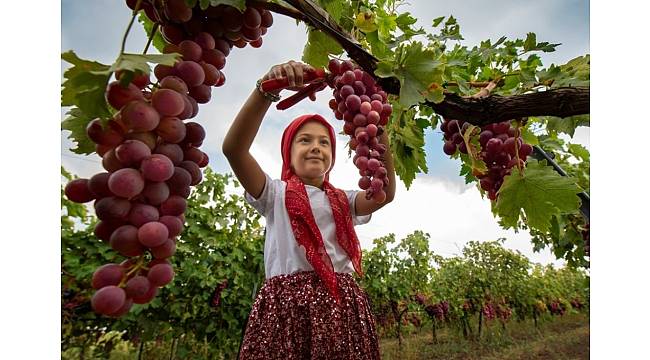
(302, 219)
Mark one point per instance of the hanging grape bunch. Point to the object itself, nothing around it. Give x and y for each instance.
(151, 154)
(501, 149)
(364, 107)
(362, 104)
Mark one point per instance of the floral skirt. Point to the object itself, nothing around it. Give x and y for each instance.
(294, 317)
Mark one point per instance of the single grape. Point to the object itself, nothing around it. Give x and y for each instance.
(140, 116)
(157, 167)
(108, 274)
(190, 50)
(168, 102)
(131, 152)
(126, 183)
(141, 214)
(112, 208)
(171, 130)
(161, 274)
(155, 192)
(173, 223)
(167, 249)
(78, 191)
(152, 234)
(108, 300)
(124, 240)
(449, 148)
(137, 286)
(175, 205)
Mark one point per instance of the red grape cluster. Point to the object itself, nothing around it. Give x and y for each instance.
(488, 311)
(215, 30)
(501, 149)
(215, 300)
(360, 102)
(151, 158)
(557, 308)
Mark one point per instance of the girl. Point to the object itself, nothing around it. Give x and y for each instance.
(310, 306)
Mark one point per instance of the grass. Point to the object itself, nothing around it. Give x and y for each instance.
(563, 338)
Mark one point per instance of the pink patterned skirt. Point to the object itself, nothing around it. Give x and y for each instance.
(294, 317)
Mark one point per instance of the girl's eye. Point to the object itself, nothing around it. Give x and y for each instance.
(325, 142)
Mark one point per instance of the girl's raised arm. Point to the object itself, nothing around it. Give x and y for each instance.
(242, 132)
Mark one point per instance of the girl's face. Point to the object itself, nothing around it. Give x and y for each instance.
(311, 153)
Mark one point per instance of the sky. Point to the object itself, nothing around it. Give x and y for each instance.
(439, 202)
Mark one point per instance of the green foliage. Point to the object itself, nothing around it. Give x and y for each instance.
(407, 142)
(318, 48)
(158, 40)
(204, 4)
(85, 85)
(539, 192)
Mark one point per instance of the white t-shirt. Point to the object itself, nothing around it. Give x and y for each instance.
(282, 253)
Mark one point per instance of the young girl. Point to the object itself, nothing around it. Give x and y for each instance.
(310, 306)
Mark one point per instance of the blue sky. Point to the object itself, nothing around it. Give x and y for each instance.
(94, 29)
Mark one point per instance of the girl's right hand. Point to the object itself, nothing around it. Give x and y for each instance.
(292, 70)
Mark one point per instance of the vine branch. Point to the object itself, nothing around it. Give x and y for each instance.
(562, 102)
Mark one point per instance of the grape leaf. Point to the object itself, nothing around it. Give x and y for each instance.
(528, 136)
(566, 125)
(140, 62)
(386, 24)
(319, 46)
(539, 192)
(531, 44)
(420, 75)
(76, 122)
(335, 8)
(437, 21)
(85, 85)
(158, 41)
(239, 4)
(407, 144)
(579, 151)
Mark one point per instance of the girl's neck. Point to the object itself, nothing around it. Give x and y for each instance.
(317, 182)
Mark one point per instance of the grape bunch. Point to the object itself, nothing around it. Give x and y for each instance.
(215, 29)
(151, 158)
(501, 148)
(557, 308)
(488, 311)
(503, 311)
(362, 104)
(215, 300)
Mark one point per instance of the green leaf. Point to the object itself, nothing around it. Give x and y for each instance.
(76, 122)
(85, 85)
(539, 192)
(437, 21)
(140, 62)
(239, 4)
(420, 75)
(579, 151)
(407, 144)
(530, 42)
(378, 48)
(158, 41)
(384, 69)
(319, 46)
(566, 125)
(386, 24)
(528, 137)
